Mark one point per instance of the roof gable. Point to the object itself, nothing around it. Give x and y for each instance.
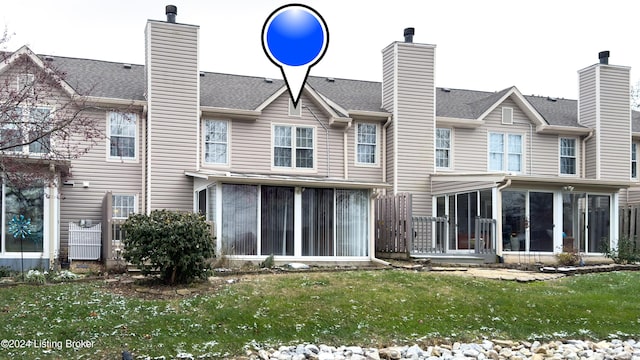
(514, 94)
(24, 51)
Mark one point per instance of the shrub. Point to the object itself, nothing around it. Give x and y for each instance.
(568, 258)
(176, 244)
(5, 271)
(628, 251)
(64, 275)
(268, 263)
(35, 277)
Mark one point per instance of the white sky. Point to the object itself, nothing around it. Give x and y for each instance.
(536, 45)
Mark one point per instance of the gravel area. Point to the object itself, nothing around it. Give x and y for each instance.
(615, 349)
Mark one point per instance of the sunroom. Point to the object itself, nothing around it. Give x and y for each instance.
(533, 216)
(292, 218)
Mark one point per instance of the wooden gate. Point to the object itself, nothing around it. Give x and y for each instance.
(393, 226)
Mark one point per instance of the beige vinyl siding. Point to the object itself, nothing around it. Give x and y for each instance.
(173, 94)
(540, 153)
(630, 196)
(545, 157)
(449, 187)
(469, 150)
(587, 117)
(364, 172)
(415, 125)
(251, 141)
(120, 177)
(388, 79)
(615, 123)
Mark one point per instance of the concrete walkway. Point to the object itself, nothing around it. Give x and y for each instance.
(499, 274)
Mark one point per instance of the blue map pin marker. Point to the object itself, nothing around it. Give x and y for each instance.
(295, 37)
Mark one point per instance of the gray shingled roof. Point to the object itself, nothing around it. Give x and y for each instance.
(102, 78)
(113, 80)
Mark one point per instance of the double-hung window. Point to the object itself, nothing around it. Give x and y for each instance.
(634, 160)
(122, 135)
(443, 148)
(567, 156)
(367, 139)
(293, 146)
(26, 130)
(123, 206)
(216, 142)
(505, 152)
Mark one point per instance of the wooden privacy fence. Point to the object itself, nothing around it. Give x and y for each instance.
(629, 221)
(393, 225)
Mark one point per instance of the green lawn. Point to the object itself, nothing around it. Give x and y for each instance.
(365, 308)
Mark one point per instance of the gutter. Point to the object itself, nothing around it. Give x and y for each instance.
(505, 185)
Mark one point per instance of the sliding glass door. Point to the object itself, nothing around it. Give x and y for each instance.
(277, 220)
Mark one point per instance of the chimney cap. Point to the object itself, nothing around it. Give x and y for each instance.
(171, 11)
(604, 57)
(408, 34)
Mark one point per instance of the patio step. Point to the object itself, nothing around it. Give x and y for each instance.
(458, 259)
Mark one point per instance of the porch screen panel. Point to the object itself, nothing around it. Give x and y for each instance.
(239, 219)
(599, 222)
(514, 220)
(317, 222)
(277, 220)
(30, 203)
(541, 224)
(452, 224)
(352, 222)
(486, 209)
(211, 202)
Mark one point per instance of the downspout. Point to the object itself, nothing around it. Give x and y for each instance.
(584, 154)
(384, 149)
(498, 245)
(345, 140)
(326, 138)
(52, 229)
(530, 150)
(143, 159)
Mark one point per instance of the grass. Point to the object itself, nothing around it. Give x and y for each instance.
(367, 308)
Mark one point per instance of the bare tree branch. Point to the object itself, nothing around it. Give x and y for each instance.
(43, 123)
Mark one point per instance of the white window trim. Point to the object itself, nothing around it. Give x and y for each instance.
(46, 227)
(577, 156)
(506, 109)
(110, 158)
(293, 168)
(204, 145)
(375, 164)
(295, 111)
(135, 205)
(505, 152)
(634, 144)
(450, 167)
